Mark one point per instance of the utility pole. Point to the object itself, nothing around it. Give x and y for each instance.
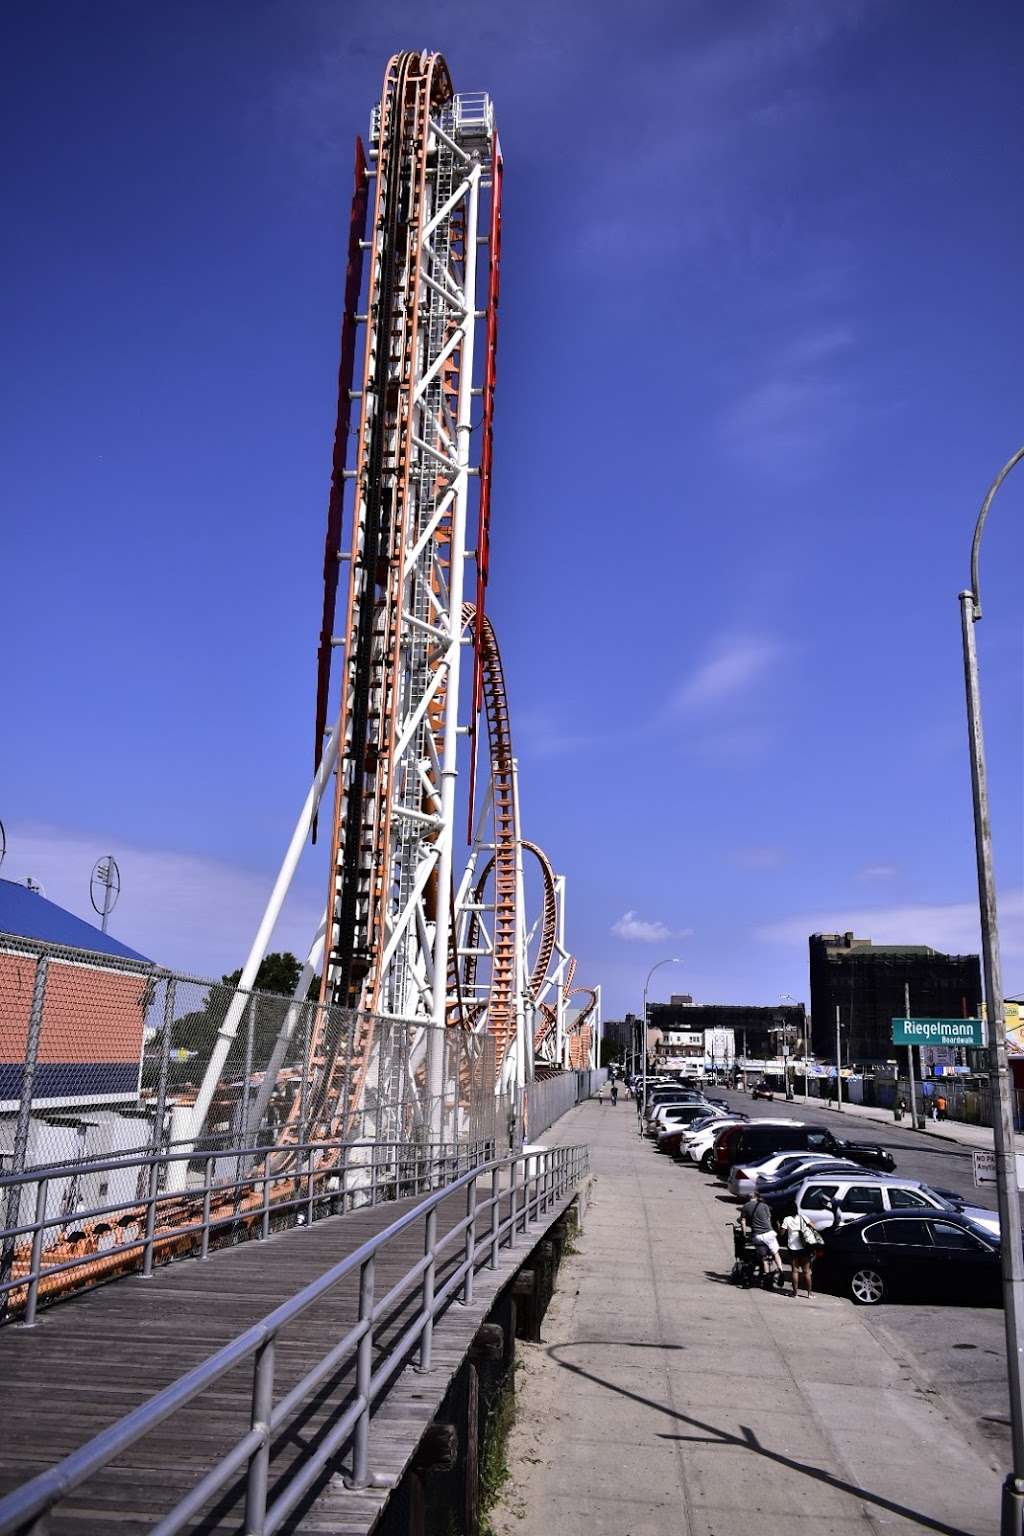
(839, 1063)
(910, 1064)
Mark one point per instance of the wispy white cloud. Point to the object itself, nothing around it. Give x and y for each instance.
(878, 872)
(796, 405)
(183, 910)
(952, 926)
(735, 664)
(641, 930)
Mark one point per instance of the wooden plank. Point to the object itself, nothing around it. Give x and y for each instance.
(108, 1350)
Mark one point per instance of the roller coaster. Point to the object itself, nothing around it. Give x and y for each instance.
(404, 935)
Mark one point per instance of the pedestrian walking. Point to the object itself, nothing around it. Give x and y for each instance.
(615, 1094)
(899, 1109)
(757, 1218)
(802, 1243)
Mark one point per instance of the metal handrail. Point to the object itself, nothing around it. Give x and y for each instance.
(546, 1176)
(388, 1161)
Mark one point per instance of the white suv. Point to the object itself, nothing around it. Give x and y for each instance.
(856, 1197)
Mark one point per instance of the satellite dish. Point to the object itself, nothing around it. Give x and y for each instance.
(34, 886)
(105, 888)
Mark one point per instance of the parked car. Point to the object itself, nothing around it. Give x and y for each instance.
(776, 1128)
(870, 1154)
(762, 1090)
(759, 1140)
(855, 1196)
(672, 1133)
(789, 1182)
(947, 1256)
(745, 1178)
(700, 1139)
(678, 1114)
(657, 1112)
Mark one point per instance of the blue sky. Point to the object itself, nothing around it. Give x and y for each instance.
(760, 357)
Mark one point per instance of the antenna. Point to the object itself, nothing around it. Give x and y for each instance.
(105, 888)
(3, 842)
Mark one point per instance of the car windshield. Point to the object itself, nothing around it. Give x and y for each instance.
(926, 1189)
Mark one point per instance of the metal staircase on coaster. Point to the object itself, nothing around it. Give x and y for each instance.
(402, 939)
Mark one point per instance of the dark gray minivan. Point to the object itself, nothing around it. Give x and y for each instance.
(748, 1143)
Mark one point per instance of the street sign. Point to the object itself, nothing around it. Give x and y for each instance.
(985, 1168)
(937, 1032)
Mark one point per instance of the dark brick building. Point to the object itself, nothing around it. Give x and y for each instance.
(866, 981)
(752, 1024)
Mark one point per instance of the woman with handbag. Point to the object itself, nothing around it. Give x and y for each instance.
(802, 1244)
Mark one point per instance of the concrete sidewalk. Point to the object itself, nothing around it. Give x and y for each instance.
(979, 1136)
(666, 1402)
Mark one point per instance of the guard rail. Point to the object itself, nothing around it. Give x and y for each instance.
(534, 1182)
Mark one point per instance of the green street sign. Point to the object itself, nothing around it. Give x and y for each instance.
(937, 1032)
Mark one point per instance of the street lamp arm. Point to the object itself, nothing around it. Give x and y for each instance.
(979, 529)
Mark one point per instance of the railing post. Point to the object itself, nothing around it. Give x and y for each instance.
(470, 1255)
(310, 1185)
(427, 1296)
(495, 1215)
(344, 1179)
(208, 1166)
(259, 1461)
(512, 1203)
(265, 1225)
(364, 1372)
(37, 1253)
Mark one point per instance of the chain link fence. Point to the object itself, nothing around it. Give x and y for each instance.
(110, 1082)
(146, 1114)
(101, 1056)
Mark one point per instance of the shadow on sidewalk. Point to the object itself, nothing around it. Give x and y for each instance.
(744, 1440)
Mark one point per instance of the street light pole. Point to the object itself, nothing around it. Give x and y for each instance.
(1008, 1198)
(673, 960)
(787, 997)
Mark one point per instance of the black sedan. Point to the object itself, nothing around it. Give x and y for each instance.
(869, 1154)
(944, 1256)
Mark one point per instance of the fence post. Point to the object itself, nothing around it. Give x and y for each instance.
(512, 1202)
(310, 1187)
(37, 1253)
(157, 1139)
(208, 1165)
(250, 1038)
(259, 1461)
(364, 1372)
(427, 1295)
(304, 1079)
(495, 1215)
(470, 1255)
(23, 1125)
(265, 1225)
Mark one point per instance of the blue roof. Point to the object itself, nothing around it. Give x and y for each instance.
(30, 916)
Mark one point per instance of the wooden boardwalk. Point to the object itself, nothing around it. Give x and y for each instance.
(92, 1359)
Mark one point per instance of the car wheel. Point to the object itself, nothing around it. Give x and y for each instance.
(707, 1162)
(867, 1286)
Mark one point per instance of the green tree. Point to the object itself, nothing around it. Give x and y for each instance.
(194, 1033)
(277, 973)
